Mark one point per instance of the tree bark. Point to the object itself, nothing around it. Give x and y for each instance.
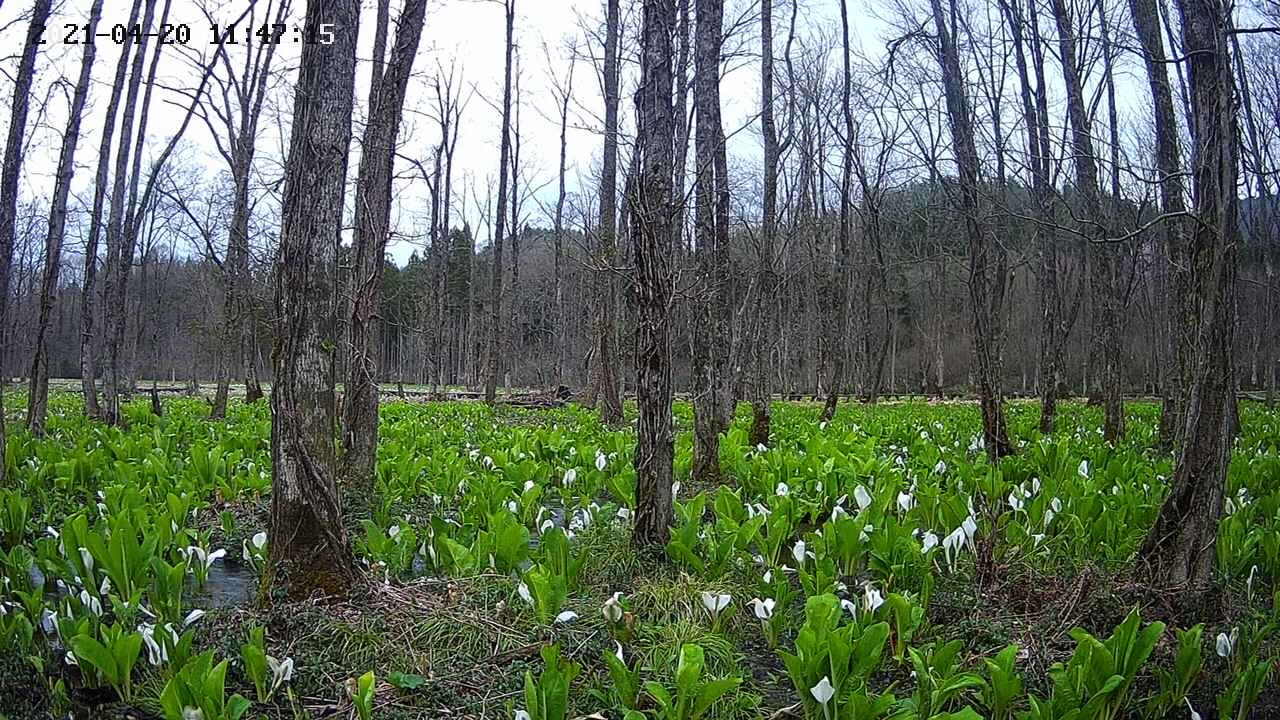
(652, 210)
(986, 321)
(88, 364)
(761, 386)
(840, 340)
(13, 152)
(373, 217)
(1174, 371)
(500, 223)
(560, 340)
(117, 221)
(1179, 551)
(1263, 227)
(1046, 245)
(38, 389)
(240, 119)
(309, 551)
(1102, 257)
(608, 379)
(711, 372)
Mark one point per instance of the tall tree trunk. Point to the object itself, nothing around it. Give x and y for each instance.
(13, 151)
(1103, 257)
(1179, 551)
(1175, 369)
(1046, 245)
(309, 551)
(840, 340)
(515, 338)
(560, 339)
(608, 379)
(652, 241)
(113, 273)
(241, 121)
(761, 386)
(38, 390)
(1263, 227)
(373, 217)
(88, 364)
(711, 333)
(500, 222)
(986, 321)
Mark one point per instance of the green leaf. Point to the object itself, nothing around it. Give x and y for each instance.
(237, 706)
(405, 681)
(689, 670)
(712, 692)
(88, 649)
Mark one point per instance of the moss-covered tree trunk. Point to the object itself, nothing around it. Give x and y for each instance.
(309, 551)
(1179, 551)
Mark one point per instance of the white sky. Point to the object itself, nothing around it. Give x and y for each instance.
(468, 33)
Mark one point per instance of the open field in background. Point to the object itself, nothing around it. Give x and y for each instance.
(959, 590)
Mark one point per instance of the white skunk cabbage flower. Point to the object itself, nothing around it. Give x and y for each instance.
(871, 598)
(862, 497)
(715, 604)
(823, 691)
(763, 608)
(1226, 644)
(612, 609)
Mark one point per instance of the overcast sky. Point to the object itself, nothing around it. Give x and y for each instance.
(466, 33)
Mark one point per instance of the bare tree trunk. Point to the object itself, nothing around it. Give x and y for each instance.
(761, 386)
(13, 151)
(38, 390)
(88, 367)
(373, 217)
(652, 240)
(986, 321)
(1102, 256)
(1179, 549)
(682, 118)
(1046, 245)
(240, 109)
(609, 381)
(309, 551)
(844, 251)
(1175, 369)
(560, 339)
(1263, 225)
(450, 108)
(500, 223)
(117, 221)
(711, 336)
